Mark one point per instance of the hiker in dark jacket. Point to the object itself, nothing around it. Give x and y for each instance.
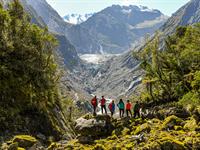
(111, 107)
(103, 104)
(137, 110)
(94, 104)
(121, 108)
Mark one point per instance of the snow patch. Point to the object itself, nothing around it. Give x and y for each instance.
(144, 8)
(126, 11)
(96, 58)
(77, 18)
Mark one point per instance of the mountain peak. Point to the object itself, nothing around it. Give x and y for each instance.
(75, 18)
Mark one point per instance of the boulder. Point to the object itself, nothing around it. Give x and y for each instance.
(91, 128)
(162, 112)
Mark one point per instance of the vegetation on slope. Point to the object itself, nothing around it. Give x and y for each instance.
(173, 73)
(29, 93)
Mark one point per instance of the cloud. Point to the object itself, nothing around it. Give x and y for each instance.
(130, 2)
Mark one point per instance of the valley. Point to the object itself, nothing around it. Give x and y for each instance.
(52, 66)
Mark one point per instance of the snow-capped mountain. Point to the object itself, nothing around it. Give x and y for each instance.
(77, 18)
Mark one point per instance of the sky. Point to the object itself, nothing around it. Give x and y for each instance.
(64, 7)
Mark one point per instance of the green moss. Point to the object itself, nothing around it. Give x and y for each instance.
(113, 137)
(190, 125)
(20, 148)
(88, 116)
(170, 122)
(129, 146)
(99, 147)
(155, 120)
(171, 143)
(118, 131)
(125, 131)
(143, 128)
(24, 141)
(13, 146)
(177, 128)
(153, 145)
(53, 146)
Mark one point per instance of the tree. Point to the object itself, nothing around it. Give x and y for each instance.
(28, 71)
(170, 72)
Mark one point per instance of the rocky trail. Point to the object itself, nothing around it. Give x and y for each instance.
(166, 127)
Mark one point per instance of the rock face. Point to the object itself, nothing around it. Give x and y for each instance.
(186, 15)
(51, 18)
(92, 128)
(67, 52)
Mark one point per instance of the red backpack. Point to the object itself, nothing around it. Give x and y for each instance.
(94, 102)
(110, 106)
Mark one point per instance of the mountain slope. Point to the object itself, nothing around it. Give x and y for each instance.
(51, 18)
(100, 33)
(43, 15)
(116, 29)
(126, 72)
(186, 15)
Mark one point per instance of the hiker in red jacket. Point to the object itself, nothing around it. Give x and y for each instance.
(103, 104)
(128, 108)
(111, 107)
(94, 104)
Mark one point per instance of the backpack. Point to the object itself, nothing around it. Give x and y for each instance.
(110, 106)
(94, 102)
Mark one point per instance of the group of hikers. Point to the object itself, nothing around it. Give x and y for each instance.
(121, 105)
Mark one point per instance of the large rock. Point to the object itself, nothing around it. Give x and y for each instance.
(92, 128)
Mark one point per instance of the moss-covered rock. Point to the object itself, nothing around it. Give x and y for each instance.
(192, 141)
(178, 128)
(171, 121)
(191, 125)
(142, 128)
(13, 146)
(99, 147)
(171, 144)
(125, 131)
(24, 141)
(152, 146)
(20, 148)
(54, 146)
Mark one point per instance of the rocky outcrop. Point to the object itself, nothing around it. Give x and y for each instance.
(22, 142)
(129, 133)
(89, 129)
